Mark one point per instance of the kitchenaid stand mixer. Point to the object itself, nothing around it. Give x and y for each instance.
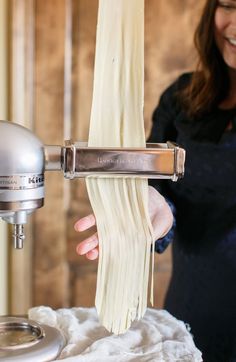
(24, 160)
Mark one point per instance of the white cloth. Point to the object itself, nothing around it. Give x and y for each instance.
(158, 337)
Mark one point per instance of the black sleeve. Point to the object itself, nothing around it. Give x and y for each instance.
(163, 130)
(163, 126)
(169, 107)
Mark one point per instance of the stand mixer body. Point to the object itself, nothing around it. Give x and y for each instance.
(24, 159)
(21, 176)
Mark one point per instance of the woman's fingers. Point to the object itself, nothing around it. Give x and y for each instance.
(86, 246)
(92, 254)
(85, 223)
(89, 246)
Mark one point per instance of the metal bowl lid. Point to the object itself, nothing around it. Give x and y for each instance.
(19, 334)
(25, 340)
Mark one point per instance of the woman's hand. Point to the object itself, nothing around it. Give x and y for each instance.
(89, 246)
(160, 215)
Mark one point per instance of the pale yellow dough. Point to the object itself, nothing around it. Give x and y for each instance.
(120, 205)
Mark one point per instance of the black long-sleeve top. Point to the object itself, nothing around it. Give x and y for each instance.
(202, 291)
(209, 183)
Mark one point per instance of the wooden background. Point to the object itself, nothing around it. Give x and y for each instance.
(52, 58)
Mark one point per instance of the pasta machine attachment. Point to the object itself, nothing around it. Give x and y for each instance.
(24, 160)
(157, 160)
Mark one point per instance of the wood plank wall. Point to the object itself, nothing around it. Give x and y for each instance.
(64, 42)
(21, 111)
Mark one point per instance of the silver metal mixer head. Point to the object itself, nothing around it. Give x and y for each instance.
(21, 176)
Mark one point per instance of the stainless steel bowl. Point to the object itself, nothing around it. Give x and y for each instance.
(25, 340)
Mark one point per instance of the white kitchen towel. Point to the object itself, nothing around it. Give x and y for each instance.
(158, 337)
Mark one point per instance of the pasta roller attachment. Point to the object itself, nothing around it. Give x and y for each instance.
(157, 160)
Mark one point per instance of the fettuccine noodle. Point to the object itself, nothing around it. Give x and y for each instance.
(120, 205)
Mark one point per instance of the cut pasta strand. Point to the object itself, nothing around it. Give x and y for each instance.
(120, 205)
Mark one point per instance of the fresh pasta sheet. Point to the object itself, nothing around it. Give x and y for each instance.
(120, 205)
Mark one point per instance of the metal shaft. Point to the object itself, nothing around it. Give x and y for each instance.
(18, 236)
